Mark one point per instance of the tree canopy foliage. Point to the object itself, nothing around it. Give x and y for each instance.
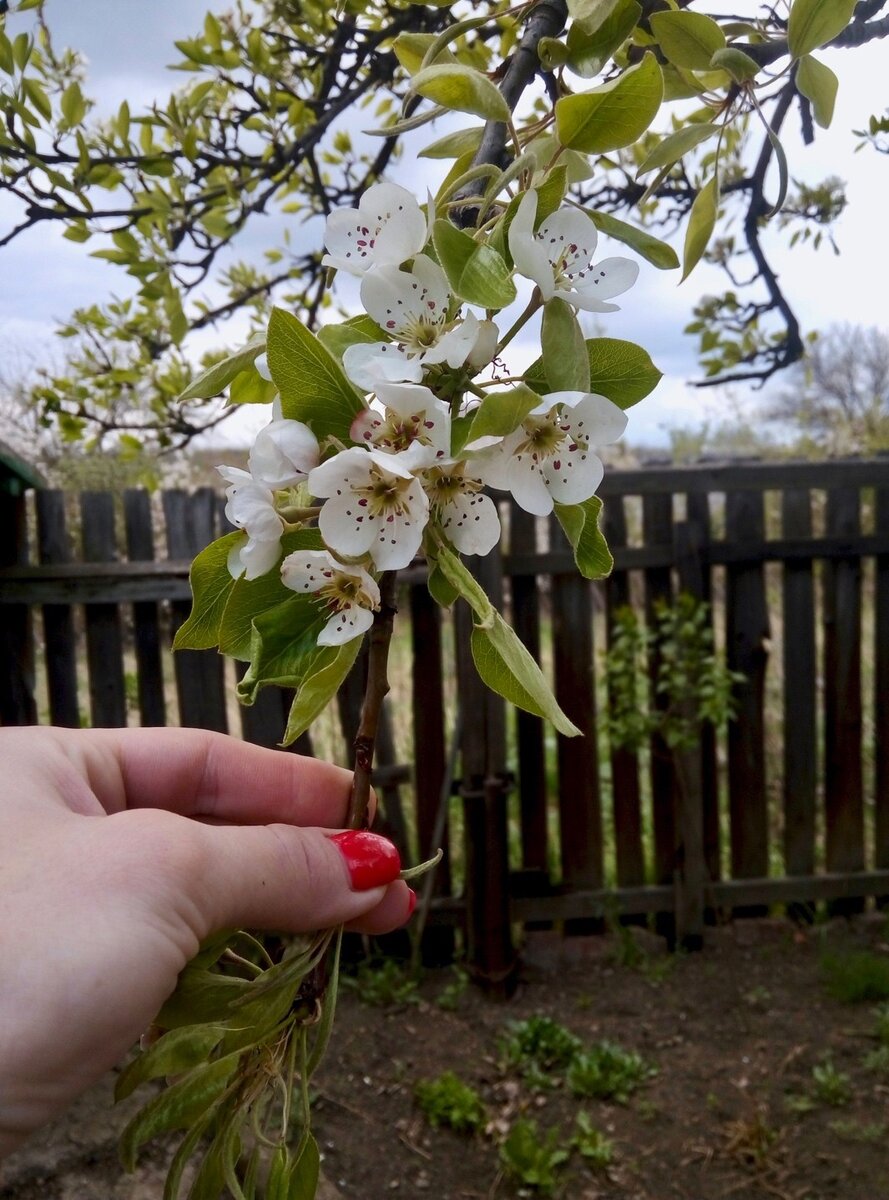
(665, 116)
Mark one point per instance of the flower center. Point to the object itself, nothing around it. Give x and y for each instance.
(420, 333)
(399, 433)
(444, 484)
(344, 591)
(543, 437)
(385, 495)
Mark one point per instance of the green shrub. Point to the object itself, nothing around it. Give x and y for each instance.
(531, 1156)
(383, 984)
(592, 1145)
(448, 1101)
(831, 1086)
(540, 1045)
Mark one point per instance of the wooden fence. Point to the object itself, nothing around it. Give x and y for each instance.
(790, 804)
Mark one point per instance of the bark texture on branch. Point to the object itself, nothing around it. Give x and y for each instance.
(375, 693)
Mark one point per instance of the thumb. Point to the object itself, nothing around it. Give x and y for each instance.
(294, 879)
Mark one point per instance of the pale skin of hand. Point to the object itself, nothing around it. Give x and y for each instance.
(120, 851)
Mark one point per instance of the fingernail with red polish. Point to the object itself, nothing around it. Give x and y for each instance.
(372, 860)
(411, 902)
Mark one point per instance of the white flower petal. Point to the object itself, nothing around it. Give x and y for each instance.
(528, 254)
(586, 301)
(569, 238)
(471, 522)
(338, 473)
(610, 277)
(235, 566)
(345, 525)
(370, 363)
(283, 454)
(345, 625)
(485, 347)
(528, 486)
(572, 476)
(456, 345)
(259, 557)
(400, 220)
(398, 537)
(307, 570)
(261, 362)
(595, 419)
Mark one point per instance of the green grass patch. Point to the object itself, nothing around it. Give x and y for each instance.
(450, 1103)
(856, 976)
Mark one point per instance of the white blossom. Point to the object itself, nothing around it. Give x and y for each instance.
(374, 506)
(388, 227)
(550, 457)
(408, 420)
(348, 592)
(412, 307)
(559, 258)
(468, 517)
(284, 452)
(251, 507)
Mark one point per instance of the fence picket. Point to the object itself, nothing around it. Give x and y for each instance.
(747, 634)
(843, 780)
(146, 624)
(59, 636)
(881, 693)
(104, 642)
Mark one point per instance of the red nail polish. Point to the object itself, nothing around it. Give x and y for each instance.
(372, 860)
(411, 902)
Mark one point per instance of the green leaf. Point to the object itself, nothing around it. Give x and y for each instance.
(178, 1050)
(497, 415)
(38, 97)
(613, 115)
(361, 329)
(453, 145)
(250, 388)
(249, 598)
(303, 1181)
(659, 253)
(675, 146)
(410, 50)
(591, 12)
(211, 585)
(506, 667)
(72, 104)
(783, 171)
(739, 65)
(463, 89)
(461, 580)
(687, 39)
(565, 358)
(475, 271)
(176, 1107)
(814, 23)
(621, 371)
(819, 85)
(441, 591)
(581, 525)
(310, 381)
(701, 223)
(322, 681)
(214, 380)
(284, 646)
(591, 45)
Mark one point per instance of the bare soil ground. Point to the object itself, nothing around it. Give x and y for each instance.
(733, 1111)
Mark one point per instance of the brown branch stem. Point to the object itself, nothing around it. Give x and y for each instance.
(375, 693)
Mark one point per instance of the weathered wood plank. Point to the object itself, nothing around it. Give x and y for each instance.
(146, 625)
(17, 681)
(60, 638)
(104, 640)
(747, 634)
(625, 788)
(754, 476)
(533, 799)
(580, 812)
(192, 523)
(799, 694)
(881, 692)
(843, 777)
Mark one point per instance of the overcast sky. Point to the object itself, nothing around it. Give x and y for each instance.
(128, 45)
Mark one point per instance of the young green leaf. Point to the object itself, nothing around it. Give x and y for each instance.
(214, 380)
(497, 415)
(177, 1106)
(475, 271)
(284, 646)
(321, 683)
(814, 23)
(819, 85)
(211, 585)
(591, 44)
(614, 114)
(619, 370)
(311, 382)
(338, 338)
(461, 580)
(506, 667)
(178, 1050)
(687, 39)
(581, 525)
(739, 65)
(463, 89)
(675, 145)
(452, 145)
(250, 388)
(411, 48)
(658, 253)
(303, 1181)
(565, 360)
(701, 223)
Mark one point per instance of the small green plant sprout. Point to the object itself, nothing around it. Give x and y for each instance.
(532, 1156)
(830, 1086)
(854, 1131)
(386, 984)
(878, 1062)
(539, 1047)
(693, 683)
(881, 1029)
(608, 1072)
(450, 1103)
(591, 1143)
(856, 976)
(448, 999)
